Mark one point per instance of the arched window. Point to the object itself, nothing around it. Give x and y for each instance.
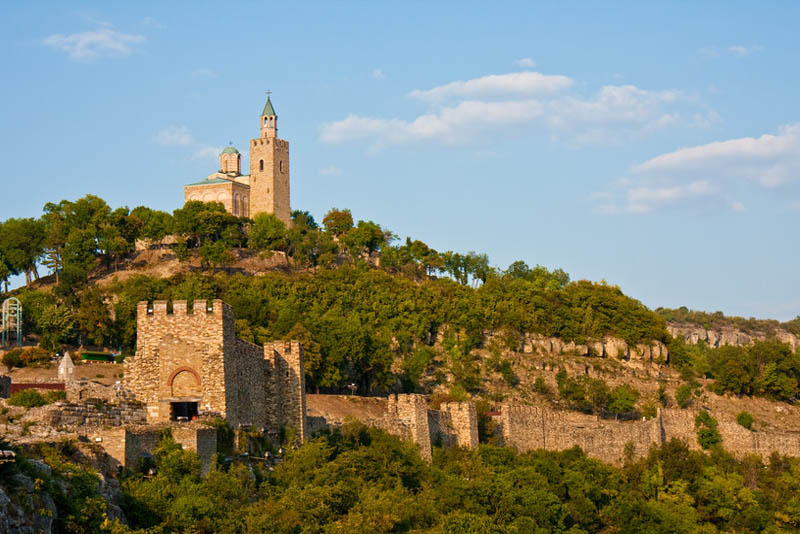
(261, 165)
(236, 204)
(244, 206)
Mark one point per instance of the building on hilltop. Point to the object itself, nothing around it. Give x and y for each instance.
(189, 361)
(265, 189)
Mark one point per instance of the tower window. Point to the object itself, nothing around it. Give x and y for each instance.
(261, 165)
(280, 164)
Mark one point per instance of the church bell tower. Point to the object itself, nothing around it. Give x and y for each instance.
(269, 169)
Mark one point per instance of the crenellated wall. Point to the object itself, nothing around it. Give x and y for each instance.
(192, 355)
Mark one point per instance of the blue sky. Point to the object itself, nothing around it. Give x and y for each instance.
(656, 146)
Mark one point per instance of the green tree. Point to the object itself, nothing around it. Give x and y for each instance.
(338, 222)
(707, 433)
(22, 245)
(623, 399)
(55, 324)
(267, 233)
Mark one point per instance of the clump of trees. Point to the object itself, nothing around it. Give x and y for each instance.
(593, 395)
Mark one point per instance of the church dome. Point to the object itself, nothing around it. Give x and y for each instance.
(230, 150)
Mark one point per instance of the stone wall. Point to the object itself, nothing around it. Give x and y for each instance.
(126, 445)
(286, 380)
(68, 415)
(194, 355)
(405, 416)
(530, 427)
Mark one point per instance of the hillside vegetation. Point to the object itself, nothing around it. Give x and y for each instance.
(369, 308)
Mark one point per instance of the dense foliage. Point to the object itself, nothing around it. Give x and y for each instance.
(363, 480)
(766, 368)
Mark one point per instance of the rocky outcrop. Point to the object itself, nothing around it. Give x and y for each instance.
(715, 338)
(24, 509)
(608, 347)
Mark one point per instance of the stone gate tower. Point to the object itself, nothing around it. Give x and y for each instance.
(269, 169)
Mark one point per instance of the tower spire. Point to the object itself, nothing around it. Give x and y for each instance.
(269, 119)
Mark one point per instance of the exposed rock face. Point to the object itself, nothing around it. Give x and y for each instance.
(25, 510)
(608, 347)
(693, 333)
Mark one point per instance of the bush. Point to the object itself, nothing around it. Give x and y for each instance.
(683, 395)
(745, 419)
(30, 357)
(35, 357)
(27, 398)
(13, 359)
(707, 433)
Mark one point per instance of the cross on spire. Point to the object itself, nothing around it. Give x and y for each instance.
(268, 92)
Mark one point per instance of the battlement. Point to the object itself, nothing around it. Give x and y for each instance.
(265, 141)
(283, 348)
(161, 308)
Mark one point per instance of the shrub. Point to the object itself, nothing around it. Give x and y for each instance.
(683, 395)
(35, 357)
(745, 419)
(27, 398)
(541, 387)
(13, 359)
(707, 433)
(55, 395)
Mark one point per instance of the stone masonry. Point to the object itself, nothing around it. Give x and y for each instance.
(189, 362)
(265, 189)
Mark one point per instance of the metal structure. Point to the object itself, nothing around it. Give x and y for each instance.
(11, 325)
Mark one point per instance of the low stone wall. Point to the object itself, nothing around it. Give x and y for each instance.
(530, 427)
(126, 445)
(405, 416)
(68, 415)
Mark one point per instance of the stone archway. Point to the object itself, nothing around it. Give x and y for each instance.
(185, 382)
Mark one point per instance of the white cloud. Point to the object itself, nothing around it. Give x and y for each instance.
(710, 170)
(525, 63)
(741, 50)
(378, 74)
(175, 136)
(736, 50)
(204, 73)
(615, 112)
(330, 170)
(518, 84)
(103, 42)
(771, 160)
(645, 199)
(153, 23)
(207, 152)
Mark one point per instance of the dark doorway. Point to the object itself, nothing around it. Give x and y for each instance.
(183, 411)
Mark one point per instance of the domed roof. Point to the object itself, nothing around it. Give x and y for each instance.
(230, 150)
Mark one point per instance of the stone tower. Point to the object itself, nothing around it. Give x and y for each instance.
(269, 169)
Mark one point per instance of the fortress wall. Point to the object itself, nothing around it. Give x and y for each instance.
(529, 427)
(244, 368)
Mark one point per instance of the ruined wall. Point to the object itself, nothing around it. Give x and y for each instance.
(412, 411)
(246, 396)
(463, 423)
(285, 374)
(68, 415)
(530, 427)
(126, 445)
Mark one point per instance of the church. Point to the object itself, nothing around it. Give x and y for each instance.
(265, 189)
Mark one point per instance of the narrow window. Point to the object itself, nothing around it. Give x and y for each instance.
(261, 165)
(280, 164)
